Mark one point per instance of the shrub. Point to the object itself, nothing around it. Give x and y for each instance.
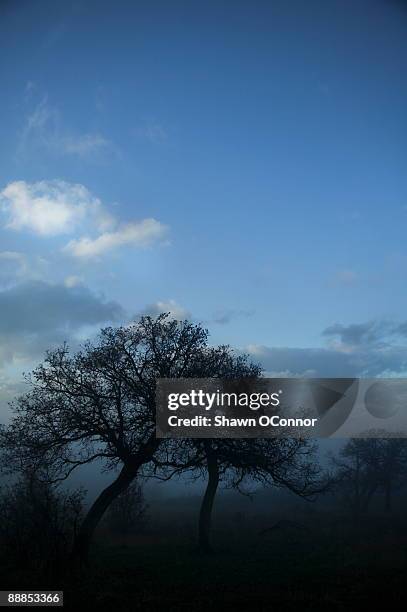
(37, 522)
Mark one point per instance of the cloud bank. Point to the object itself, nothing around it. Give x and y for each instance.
(44, 129)
(36, 315)
(370, 349)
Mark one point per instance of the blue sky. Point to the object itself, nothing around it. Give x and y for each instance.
(240, 163)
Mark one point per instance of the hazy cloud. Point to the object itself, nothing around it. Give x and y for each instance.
(9, 389)
(379, 333)
(16, 267)
(152, 131)
(374, 348)
(358, 334)
(225, 316)
(401, 329)
(12, 265)
(326, 362)
(85, 144)
(44, 128)
(36, 315)
(220, 317)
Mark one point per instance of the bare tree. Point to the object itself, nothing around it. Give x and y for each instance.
(288, 463)
(356, 470)
(99, 405)
(393, 467)
(367, 466)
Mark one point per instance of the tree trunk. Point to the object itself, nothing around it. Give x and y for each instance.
(127, 475)
(205, 514)
(96, 511)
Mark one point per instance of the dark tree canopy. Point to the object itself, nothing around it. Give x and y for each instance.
(99, 404)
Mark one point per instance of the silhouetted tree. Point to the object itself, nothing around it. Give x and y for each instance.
(288, 463)
(366, 466)
(99, 404)
(392, 467)
(356, 474)
(38, 522)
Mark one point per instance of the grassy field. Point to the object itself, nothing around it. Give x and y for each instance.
(153, 575)
(267, 555)
(282, 569)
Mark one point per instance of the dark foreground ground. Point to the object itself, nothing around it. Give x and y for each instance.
(329, 566)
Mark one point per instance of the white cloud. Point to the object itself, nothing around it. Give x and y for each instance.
(49, 208)
(257, 350)
(73, 281)
(141, 234)
(175, 310)
(84, 145)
